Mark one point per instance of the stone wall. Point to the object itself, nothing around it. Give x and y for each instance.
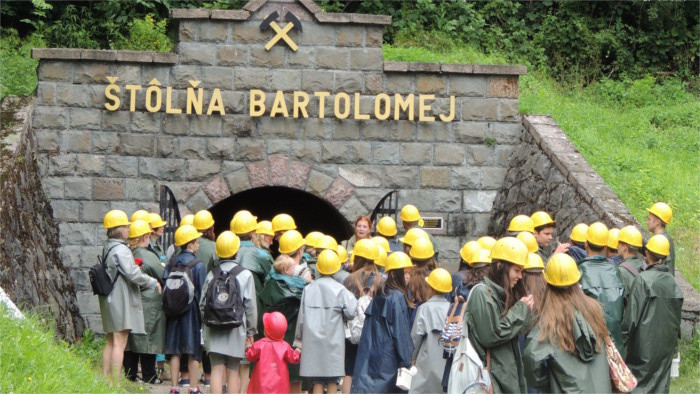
(31, 271)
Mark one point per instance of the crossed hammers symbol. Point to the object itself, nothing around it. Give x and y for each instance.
(281, 31)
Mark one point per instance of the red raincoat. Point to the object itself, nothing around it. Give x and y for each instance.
(271, 374)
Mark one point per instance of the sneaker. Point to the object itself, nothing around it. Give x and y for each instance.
(206, 382)
(183, 383)
(194, 390)
(155, 381)
(174, 390)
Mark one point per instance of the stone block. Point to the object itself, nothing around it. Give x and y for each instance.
(191, 147)
(361, 175)
(108, 189)
(70, 256)
(55, 71)
(181, 75)
(217, 77)
(435, 177)
(318, 35)
(504, 87)
(317, 80)
(187, 30)
(471, 132)
(479, 155)
(274, 58)
(105, 142)
(238, 180)
(286, 80)
(200, 170)
(50, 118)
(249, 34)
(93, 211)
(374, 130)
(447, 200)
(492, 177)
(198, 202)
(402, 177)
(402, 130)
(232, 55)
(332, 58)
(374, 36)
(45, 93)
(140, 189)
(277, 127)
(161, 169)
(136, 144)
(480, 109)
(306, 151)
(318, 183)
(277, 167)
(62, 164)
(346, 130)
(509, 111)
(250, 150)
(234, 102)
(75, 141)
(448, 154)
(197, 53)
(315, 128)
(206, 126)
(366, 59)
(431, 84)
(116, 121)
(78, 188)
(468, 85)
(478, 200)
(258, 173)
(466, 177)
(237, 125)
(76, 234)
(353, 208)
(399, 83)
(298, 174)
(350, 36)
(91, 73)
(385, 153)
(66, 210)
(506, 133)
(339, 192)
(251, 78)
(213, 31)
(183, 191)
(128, 74)
(47, 140)
(416, 153)
(87, 119)
(216, 189)
(220, 148)
(52, 187)
(349, 81)
(303, 58)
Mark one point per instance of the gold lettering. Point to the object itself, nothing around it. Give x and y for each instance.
(382, 97)
(403, 105)
(169, 102)
(194, 101)
(322, 103)
(452, 111)
(153, 90)
(257, 103)
(423, 108)
(336, 105)
(216, 103)
(114, 105)
(358, 115)
(301, 100)
(279, 105)
(132, 96)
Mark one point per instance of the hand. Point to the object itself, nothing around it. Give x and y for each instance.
(529, 301)
(249, 342)
(160, 289)
(562, 248)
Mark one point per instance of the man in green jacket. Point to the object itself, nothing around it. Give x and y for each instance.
(652, 321)
(659, 216)
(629, 240)
(601, 280)
(544, 233)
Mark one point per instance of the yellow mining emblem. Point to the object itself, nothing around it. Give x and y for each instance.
(281, 32)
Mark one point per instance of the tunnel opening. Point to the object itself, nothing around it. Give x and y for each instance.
(310, 213)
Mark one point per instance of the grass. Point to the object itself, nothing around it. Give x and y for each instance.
(689, 379)
(17, 68)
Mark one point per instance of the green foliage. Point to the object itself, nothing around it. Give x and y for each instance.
(89, 348)
(17, 68)
(147, 35)
(689, 379)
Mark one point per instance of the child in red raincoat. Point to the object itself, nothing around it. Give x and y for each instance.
(271, 355)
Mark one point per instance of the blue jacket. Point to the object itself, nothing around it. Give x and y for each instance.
(385, 346)
(576, 253)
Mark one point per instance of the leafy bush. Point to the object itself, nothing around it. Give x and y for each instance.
(17, 68)
(147, 35)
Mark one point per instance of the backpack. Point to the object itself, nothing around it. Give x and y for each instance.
(100, 281)
(223, 307)
(467, 373)
(358, 322)
(452, 330)
(178, 292)
(629, 267)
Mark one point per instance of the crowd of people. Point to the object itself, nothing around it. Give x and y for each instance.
(323, 316)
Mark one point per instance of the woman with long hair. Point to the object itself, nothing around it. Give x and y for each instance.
(362, 228)
(565, 350)
(497, 311)
(534, 281)
(386, 343)
(421, 254)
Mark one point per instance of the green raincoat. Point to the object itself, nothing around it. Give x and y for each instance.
(601, 280)
(651, 327)
(153, 341)
(259, 263)
(552, 369)
(670, 261)
(626, 275)
(207, 253)
(489, 330)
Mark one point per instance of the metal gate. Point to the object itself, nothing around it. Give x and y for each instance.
(387, 206)
(170, 213)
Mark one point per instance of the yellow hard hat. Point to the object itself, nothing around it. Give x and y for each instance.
(541, 218)
(521, 223)
(283, 222)
(468, 250)
(342, 254)
(264, 227)
(386, 226)
(613, 233)
(244, 224)
(239, 213)
(290, 242)
(397, 260)
(366, 248)
(578, 233)
(412, 235)
(662, 210)
(185, 234)
(313, 238)
(203, 220)
(597, 234)
(328, 262)
(561, 270)
(383, 242)
(659, 244)
(409, 213)
(227, 244)
(486, 242)
(381, 257)
(422, 249)
(140, 215)
(631, 236)
(529, 240)
(327, 243)
(115, 218)
(155, 220)
(534, 261)
(187, 219)
(139, 228)
(440, 280)
(511, 250)
(480, 258)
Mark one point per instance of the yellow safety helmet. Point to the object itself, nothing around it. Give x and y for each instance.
(397, 260)
(486, 242)
(227, 244)
(468, 250)
(313, 238)
(521, 223)
(387, 226)
(409, 213)
(328, 262)
(327, 243)
(597, 234)
(185, 234)
(534, 262)
(561, 270)
(480, 258)
(529, 240)
(115, 218)
(383, 242)
(342, 254)
(381, 257)
(511, 250)
(290, 242)
(662, 210)
(412, 235)
(440, 280)
(366, 248)
(155, 220)
(283, 222)
(631, 236)
(264, 227)
(239, 213)
(244, 224)
(613, 233)
(187, 219)
(203, 220)
(422, 249)
(541, 218)
(658, 244)
(139, 228)
(578, 233)
(141, 214)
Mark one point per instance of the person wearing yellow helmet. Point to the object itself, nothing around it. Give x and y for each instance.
(629, 243)
(291, 243)
(410, 218)
(422, 257)
(385, 345)
(204, 223)
(386, 227)
(659, 217)
(611, 249)
(651, 324)
(310, 244)
(361, 229)
(544, 233)
(158, 226)
(601, 280)
(577, 239)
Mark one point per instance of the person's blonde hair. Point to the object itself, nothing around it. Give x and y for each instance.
(134, 242)
(282, 263)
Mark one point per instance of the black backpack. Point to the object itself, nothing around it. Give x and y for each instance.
(100, 281)
(223, 307)
(178, 292)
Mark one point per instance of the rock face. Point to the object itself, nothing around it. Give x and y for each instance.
(31, 271)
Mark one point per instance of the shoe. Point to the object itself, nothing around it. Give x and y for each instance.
(174, 390)
(155, 381)
(183, 383)
(194, 390)
(205, 382)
